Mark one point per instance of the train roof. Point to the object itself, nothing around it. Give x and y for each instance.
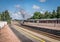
(43, 19)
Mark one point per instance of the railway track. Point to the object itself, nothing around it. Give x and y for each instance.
(57, 37)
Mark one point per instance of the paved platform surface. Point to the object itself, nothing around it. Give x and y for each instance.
(6, 35)
(35, 35)
(52, 26)
(21, 36)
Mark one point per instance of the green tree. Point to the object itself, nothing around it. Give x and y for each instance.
(0, 16)
(5, 16)
(41, 16)
(47, 14)
(36, 15)
(53, 15)
(58, 12)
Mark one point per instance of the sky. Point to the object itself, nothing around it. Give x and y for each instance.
(29, 7)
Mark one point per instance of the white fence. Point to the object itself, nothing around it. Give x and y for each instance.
(2, 23)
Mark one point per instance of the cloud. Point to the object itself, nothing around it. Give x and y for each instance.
(23, 12)
(19, 16)
(17, 6)
(42, 11)
(36, 7)
(16, 16)
(18, 12)
(42, 0)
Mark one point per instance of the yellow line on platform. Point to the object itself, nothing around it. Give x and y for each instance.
(29, 34)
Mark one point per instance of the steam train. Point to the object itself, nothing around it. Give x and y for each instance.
(43, 20)
(52, 21)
